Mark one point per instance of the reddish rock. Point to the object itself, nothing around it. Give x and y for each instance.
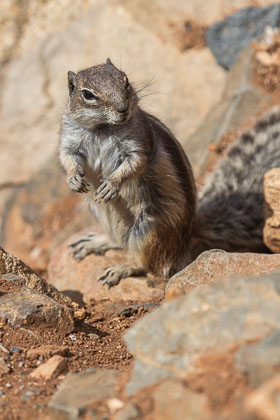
(66, 273)
(211, 266)
(13, 270)
(47, 351)
(30, 308)
(51, 369)
(41, 215)
(271, 230)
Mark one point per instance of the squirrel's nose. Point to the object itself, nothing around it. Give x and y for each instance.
(122, 109)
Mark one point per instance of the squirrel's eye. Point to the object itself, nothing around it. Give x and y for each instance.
(87, 94)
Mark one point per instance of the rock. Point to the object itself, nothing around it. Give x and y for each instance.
(26, 396)
(4, 352)
(259, 361)
(16, 349)
(241, 100)
(54, 367)
(157, 14)
(4, 368)
(264, 401)
(129, 412)
(30, 308)
(27, 299)
(114, 404)
(228, 38)
(41, 215)
(213, 318)
(66, 274)
(174, 401)
(271, 232)
(47, 351)
(212, 265)
(78, 391)
(12, 268)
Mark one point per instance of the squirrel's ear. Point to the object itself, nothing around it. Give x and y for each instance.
(108, 61)
(71, 81)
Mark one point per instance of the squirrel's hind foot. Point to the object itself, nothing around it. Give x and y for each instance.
(91, 244)
(113, 275)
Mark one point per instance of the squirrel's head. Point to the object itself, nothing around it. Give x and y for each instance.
(100, 95)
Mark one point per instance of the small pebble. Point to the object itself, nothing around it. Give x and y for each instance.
(27, 396)
(29, 393)
(16, 349)
(20, 364)
(72, 337)
(93, 335)
(114, 404)
(9, 385)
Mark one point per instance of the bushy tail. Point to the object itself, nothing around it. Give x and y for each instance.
(230, 212)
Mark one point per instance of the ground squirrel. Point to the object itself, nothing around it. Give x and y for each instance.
(140, 184)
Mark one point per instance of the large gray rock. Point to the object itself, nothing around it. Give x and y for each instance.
(228, 38)
(167, 342)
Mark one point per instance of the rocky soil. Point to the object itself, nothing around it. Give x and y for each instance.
(203, 346)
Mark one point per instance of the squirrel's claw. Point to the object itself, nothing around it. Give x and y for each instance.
(112, 276)
(106, 192)
(78, 184)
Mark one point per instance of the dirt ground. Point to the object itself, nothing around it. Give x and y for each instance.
(95, 343)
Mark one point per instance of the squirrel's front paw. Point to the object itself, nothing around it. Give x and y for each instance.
(78, 183)
(107, 190)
